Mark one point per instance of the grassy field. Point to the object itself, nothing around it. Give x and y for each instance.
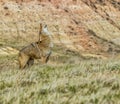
(69, 77)
(86, 82)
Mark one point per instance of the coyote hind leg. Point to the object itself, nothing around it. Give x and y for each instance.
(23, 59)
(30, 62)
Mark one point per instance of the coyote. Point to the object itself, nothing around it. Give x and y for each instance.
(38, 50)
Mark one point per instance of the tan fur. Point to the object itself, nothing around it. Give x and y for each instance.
(37, 50)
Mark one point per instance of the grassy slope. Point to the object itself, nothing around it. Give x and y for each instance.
(86, 82)
(59, 82)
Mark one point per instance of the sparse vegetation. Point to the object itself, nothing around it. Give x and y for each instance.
(87, 82)
(84, 67)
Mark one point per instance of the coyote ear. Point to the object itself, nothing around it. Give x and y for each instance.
(40, 31)
(40, 27)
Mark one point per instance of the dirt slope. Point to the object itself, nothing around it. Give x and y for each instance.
(85, 26)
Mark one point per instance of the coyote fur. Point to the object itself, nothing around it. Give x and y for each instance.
(37, 50)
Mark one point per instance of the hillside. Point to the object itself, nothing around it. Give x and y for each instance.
(84, 67)
(84, 26)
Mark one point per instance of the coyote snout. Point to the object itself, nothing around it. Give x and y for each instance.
(37, 50)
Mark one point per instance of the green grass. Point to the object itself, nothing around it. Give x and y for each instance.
(87, 82)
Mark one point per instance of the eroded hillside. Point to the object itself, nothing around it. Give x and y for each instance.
(85, 26)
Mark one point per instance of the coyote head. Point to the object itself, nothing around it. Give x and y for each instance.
(44, 31)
